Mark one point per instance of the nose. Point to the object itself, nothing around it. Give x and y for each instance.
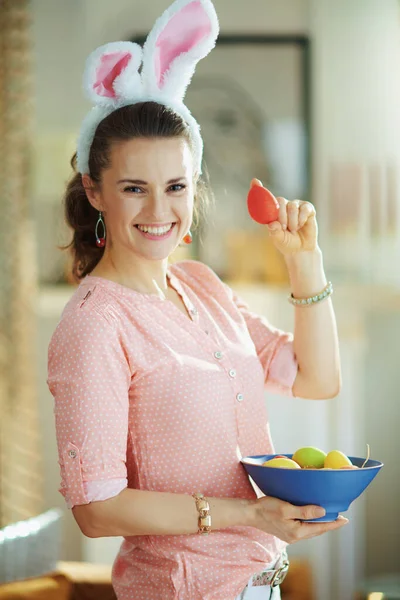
(158, 205)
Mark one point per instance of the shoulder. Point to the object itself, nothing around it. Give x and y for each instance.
(87, 319)
(198, 275)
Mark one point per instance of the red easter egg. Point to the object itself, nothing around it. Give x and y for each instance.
(262, 205)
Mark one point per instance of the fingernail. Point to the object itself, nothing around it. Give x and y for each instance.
(284, 227)
(320, 512)
(256, 181)
(273, 226)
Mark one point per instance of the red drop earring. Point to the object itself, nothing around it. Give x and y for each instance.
(188, 239)
(100, 241)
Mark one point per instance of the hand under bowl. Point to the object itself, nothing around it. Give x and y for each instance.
(333, 489)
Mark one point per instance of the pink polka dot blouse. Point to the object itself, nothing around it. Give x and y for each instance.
(149, 398)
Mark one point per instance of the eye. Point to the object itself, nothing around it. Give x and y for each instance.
(134, 189)
(177, 187)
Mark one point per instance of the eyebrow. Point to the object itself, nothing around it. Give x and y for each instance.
(142, 182)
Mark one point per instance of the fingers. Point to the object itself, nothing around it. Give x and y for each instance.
(283, 219)
(302, 530)
(292, 210)
(281, 519)
(304, 512)
(293, 215)
(255, 181)
(309, 530)
(305, 212)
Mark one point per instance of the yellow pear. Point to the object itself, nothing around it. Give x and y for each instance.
(337, 460)
(282, 463)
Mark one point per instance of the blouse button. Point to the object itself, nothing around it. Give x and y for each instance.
(239, 397)
(232, 373)
(218, 354)
(72, 453)
(193, 311)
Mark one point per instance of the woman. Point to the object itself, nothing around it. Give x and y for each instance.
(159, 372)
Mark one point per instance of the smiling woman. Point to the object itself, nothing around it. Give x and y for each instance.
(159, 371)
(123, 152)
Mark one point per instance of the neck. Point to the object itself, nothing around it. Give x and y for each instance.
(142, 275)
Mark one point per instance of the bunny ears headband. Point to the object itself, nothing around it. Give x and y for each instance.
(182, 36)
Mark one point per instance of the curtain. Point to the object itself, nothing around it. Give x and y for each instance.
(20, 468)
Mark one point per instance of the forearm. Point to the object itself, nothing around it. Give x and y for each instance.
(315, 334)
(137, 512)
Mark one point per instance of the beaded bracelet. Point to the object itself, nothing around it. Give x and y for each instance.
(203, 508)
(326, 292)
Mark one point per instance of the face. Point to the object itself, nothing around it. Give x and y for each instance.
(146, 196)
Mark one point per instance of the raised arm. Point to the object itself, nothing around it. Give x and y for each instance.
(316, 343)
(315, 336)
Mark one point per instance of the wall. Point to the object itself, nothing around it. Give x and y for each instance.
(356, 121)
(356, 91)
(382, 408)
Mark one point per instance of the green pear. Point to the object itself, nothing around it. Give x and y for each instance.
(309, 457)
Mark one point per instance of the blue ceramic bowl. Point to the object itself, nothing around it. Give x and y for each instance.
(334, 490)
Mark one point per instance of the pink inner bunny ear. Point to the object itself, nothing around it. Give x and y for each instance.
(110, 67)
(184, 31)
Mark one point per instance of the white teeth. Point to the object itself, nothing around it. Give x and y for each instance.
(155, 230)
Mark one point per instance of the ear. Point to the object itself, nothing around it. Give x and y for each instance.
(182, 36)
(92, 194)
(112, 73)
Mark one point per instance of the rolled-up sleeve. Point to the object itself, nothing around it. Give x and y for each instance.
(274, 349)
(89, 377)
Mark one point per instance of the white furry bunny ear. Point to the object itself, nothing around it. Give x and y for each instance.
(182, 36)
(112, 73)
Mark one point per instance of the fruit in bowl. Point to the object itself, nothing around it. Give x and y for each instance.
(337, 460)
(334, 485)
(310, 457)
(282, 462)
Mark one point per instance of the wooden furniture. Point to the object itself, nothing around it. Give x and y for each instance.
(47, 587)
(298, 584)
(88, 581)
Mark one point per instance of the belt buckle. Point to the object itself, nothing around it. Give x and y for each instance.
(280, 574)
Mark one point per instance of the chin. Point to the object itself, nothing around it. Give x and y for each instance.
(156, 256)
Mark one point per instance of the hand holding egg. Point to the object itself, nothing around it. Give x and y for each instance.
(292, 225)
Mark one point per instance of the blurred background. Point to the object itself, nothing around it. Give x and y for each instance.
(304, 95)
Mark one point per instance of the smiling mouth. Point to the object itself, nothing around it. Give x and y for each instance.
(155, 231)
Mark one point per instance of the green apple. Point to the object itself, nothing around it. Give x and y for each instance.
(309, 457)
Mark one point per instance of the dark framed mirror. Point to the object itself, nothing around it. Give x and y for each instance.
(251, 96)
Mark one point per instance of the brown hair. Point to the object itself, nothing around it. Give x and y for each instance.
(145, 119)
